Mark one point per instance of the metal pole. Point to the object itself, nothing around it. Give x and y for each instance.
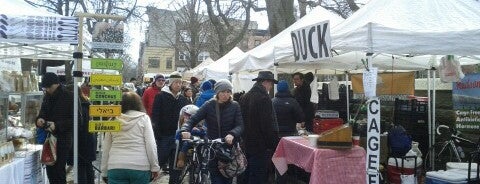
(77, 67)
(430, 125)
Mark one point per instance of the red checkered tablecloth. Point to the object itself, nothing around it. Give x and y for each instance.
(346, 166)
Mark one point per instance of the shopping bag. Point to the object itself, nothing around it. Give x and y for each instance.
(49, 151)
(234, 167)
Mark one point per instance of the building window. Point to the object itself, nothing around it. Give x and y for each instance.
(153, 62)
(203, 56)
(185, 36)
(169, 63)
(257, 42)
(183, 56)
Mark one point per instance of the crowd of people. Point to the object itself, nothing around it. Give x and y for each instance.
(152, 119)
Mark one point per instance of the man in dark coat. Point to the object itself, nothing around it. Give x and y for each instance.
(259, 136)
(302, 94)
(165, 113)
(56, 117)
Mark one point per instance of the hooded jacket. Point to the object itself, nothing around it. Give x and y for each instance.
(132, 148)
(289, 113)
(204, 96)
(165, 112)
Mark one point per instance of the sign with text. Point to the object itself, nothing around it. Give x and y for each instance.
(370, 82)
(105, 110)
(312, 43)
(373, 141)
(26, 28)
(104, 126)
(107, 37)
(102, 95)
(109, 64)
(107, 80)
(466, 103)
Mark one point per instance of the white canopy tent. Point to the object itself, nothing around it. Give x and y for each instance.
(220, 68)
(197, 71)
(279, 48)
(415, 27)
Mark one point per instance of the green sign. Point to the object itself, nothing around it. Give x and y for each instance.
(109, 64)
(102, 95)
(107, 80)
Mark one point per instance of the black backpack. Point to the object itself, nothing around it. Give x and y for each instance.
(399, 141)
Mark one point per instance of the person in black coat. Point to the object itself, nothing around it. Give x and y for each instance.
(165, 113)
(87, 144)
(288, 111)
(230, 126)
(56, 117)
(260, 136)
(302, 94)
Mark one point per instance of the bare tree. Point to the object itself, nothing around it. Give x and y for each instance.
(344, 8)
(280, 15)
(185, 28)
(228, 24)
(126, 8)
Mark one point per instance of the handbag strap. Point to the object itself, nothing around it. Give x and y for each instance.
(217, 109)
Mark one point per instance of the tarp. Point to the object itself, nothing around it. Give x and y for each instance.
(415, 27)
(279, 48)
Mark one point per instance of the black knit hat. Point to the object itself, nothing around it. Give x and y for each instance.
(48, 79)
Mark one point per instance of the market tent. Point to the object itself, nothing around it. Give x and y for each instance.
(197, 71)
(280, 48)
(219, 69)
(415, 27)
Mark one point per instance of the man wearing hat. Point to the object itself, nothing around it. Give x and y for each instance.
(259, 136)
(151, 92)
(165, 113)
(194, 85)
(56, 117)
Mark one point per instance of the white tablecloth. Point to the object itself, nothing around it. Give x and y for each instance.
(25, 167)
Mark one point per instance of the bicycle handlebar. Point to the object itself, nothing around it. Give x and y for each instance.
(441, 126)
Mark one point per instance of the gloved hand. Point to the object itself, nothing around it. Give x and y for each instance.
(105, 179)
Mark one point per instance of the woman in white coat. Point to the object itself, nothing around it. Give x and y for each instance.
(130, 156)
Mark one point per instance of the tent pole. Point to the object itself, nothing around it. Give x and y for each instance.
(348, 96)
(434, 123)
(430, 125)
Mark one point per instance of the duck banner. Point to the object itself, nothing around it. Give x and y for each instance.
(25, 28)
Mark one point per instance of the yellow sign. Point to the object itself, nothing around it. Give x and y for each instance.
(104, 126)
(107, 80)
(105, 110)
(388, 83)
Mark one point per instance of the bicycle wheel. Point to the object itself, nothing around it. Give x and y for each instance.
(443, 153)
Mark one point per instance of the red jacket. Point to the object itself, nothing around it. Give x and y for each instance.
(148, 98)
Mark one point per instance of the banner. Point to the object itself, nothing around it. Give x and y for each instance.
(12, 64)
(15, 28)
(312, 43)
(388, 83)
(466, 103)
(373, 141)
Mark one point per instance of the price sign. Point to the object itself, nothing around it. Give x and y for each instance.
(109, 64)
(102, 95)
(104, 126)
(107, 80)
(105, 110)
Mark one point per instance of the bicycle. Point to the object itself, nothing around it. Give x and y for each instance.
(448, 150)
(197, 159)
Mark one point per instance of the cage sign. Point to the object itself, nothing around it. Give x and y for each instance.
(103, 95)
(373, 141)
(105, 110)
(104, 126)
(106, 80)
(109, 64)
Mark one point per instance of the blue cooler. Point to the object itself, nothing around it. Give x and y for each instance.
(452, 176)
